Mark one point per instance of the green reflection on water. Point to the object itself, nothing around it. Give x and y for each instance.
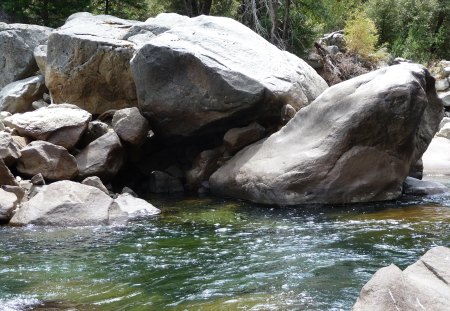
(208, 254)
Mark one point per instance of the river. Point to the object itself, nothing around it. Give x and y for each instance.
(213, 254)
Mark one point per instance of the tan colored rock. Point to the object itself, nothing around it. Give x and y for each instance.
(52, 161)
(88, 63)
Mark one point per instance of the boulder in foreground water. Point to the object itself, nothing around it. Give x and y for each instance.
(421, 286)
(354, 143)
(65, 203)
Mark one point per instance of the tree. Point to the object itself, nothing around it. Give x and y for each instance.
(360, 34)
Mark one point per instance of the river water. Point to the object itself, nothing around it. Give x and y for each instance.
(212, 254)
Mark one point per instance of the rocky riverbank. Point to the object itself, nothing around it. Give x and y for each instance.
(103, 105)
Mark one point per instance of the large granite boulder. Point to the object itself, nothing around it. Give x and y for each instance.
(213, 73)
(354, 143)
(421, 286)
(18, 96)
(52, 161)
(103, 157)
(65, 203)
(88, 63)
(17, 43)
(61, 125)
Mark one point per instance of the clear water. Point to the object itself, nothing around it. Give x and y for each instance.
(208, 254)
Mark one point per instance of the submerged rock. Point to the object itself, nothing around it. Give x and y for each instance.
(354, 143)
(421, 286)
(209, 74)
(127, 206)
(413, 186)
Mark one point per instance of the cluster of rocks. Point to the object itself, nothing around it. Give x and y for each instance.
(178, 104)
(156, 106)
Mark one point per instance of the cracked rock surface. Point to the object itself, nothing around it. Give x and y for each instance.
(421, 286)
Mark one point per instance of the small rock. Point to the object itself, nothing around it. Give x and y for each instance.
(96, 129)
(37, 180)
(130, 125)
(40, 54)
(8, 202)
(6, 178)
(96, 182)
(39, 104)
(442, 85)
(103, 157)
(237, 138)
(413, 186)
(287, 113)
(204, 165)
(129, 191)
(127, 206)
(9, 149)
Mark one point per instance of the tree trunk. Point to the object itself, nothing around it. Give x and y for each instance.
(107, 7)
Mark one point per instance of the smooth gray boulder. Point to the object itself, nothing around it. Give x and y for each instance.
(421, 286)
(130, 125)
(61, 125)
(88, 63)
(9, 148)
(19, 96)
(95, 130)
(417, 187)
(103, 157)
(17, 43)
(52, 161)
(354, 143)
(8, 202)
(209, 74)
(65, 203)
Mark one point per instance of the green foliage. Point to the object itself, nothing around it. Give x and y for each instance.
(414, 29)
(360, 34)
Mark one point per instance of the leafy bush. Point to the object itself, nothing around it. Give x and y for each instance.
(360, 34)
